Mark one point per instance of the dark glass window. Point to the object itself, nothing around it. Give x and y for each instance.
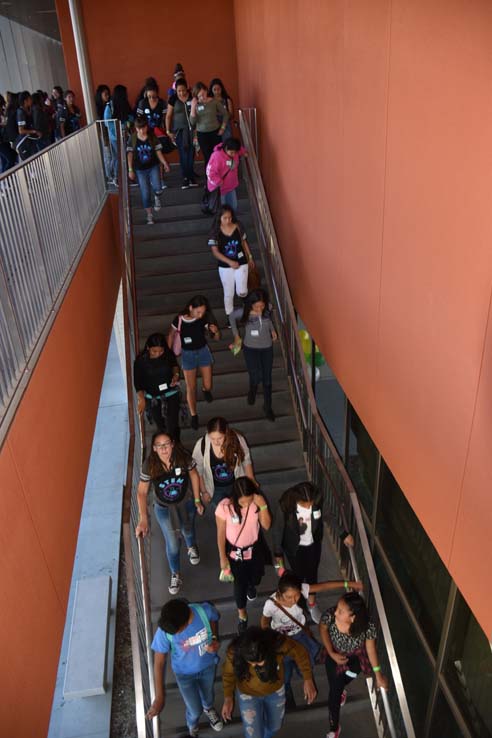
(443, 721)
(415, 667)
(416, 563)
(330, 399)
(362, 461)
(468, 670)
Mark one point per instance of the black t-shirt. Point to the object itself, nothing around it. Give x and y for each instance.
(154, 376)
(144, 152)
(230, 246)
(24, 120)
(222, 474)
(192, 333)
(154, 116)
(70, 118)
(171, 486)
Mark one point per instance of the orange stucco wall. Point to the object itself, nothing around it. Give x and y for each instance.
(375, 123)
(128, 41)
(43, 468)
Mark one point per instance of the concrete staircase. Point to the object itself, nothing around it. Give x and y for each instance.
(173, 263)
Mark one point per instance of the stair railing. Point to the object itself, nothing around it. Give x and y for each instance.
(136, 550)
(324, 464)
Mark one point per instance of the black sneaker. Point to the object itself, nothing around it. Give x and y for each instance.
(194, 422)
(251, 396)
(269, 414)
(290, 703)
(186, 184)
(251, 593)
(192, 183)
(207, 396)
(242, 625)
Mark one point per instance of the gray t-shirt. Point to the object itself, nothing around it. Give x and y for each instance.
(210, 116)
(258, 332)
(181, 113)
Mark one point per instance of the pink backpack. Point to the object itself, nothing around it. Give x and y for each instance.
(177, 338)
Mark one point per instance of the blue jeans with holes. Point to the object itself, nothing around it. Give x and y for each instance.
(149, 179)
(262, 716)
(168, 525)
(197, 691)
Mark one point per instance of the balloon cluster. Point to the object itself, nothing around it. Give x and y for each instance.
(306, 347)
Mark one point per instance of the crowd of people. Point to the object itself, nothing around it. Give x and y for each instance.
(29, 122)
(217, 476)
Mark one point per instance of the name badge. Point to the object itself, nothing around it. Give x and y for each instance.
(316, 514)
(163, 387)
(235, 519)
(201, 108)
(240, 255)
(230, 163)
(178, 470)
(147, 111)
(187, 339)
(255, 333)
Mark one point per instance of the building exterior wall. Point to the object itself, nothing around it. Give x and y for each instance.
(374, 125)
(127, 42)
(43, 468)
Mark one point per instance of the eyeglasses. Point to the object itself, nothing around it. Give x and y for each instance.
(163, 445)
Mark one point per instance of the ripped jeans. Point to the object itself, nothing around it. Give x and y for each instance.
(262, 716)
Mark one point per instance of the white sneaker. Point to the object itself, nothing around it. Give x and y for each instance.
(315, 613)
(334, 733)
(214, 719)
(175, 585)
(150, 219)
(193, 555)
(157, 203)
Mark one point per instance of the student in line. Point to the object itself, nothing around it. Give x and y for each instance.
(190, 633)
(240, 519)
(218, 91)
(229, 244)
(68, 115)
(257, 345)
(144, 154)
(188, 329)
(170, 471)
(284, 612)
(180, 130)
(350, 641)
(222, 455)
(223, 170)
(297, 532)
(254, 669)
(210, 118)
(156, 380)
(27, 140)
(118, 107)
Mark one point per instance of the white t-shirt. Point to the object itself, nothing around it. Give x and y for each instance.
(280, 621)
(304, 520)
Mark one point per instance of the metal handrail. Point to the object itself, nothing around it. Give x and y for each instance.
(48, 207)
(323, 460)
(137, 550)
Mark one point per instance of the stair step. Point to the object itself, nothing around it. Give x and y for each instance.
(192, 226)
(179, 212)
(179, 246)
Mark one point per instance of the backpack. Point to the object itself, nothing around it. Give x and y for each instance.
(205, 621)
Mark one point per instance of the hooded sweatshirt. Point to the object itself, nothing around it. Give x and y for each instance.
(223, 170)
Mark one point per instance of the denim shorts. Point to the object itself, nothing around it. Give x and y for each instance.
(194, 359)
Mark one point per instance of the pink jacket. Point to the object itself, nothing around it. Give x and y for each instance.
(220, 173)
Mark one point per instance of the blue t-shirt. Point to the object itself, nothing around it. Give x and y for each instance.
(188, 655)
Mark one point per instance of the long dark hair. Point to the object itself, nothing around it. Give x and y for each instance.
(121, 106)
(259, 295)
(215, 228)
(149, 82)
(224, 94)
(302, 492)
(242, 487)
(255, 645)
(155, 339)
(233, 451)
(200, 301)
(100, 104)
(180, 457)
(358, 608)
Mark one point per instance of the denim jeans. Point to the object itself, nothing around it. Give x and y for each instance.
(262, 716)
(185, 156)
(173, 542)
(149, 179)
(230, 198)
(311, 646)
(197, 691)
